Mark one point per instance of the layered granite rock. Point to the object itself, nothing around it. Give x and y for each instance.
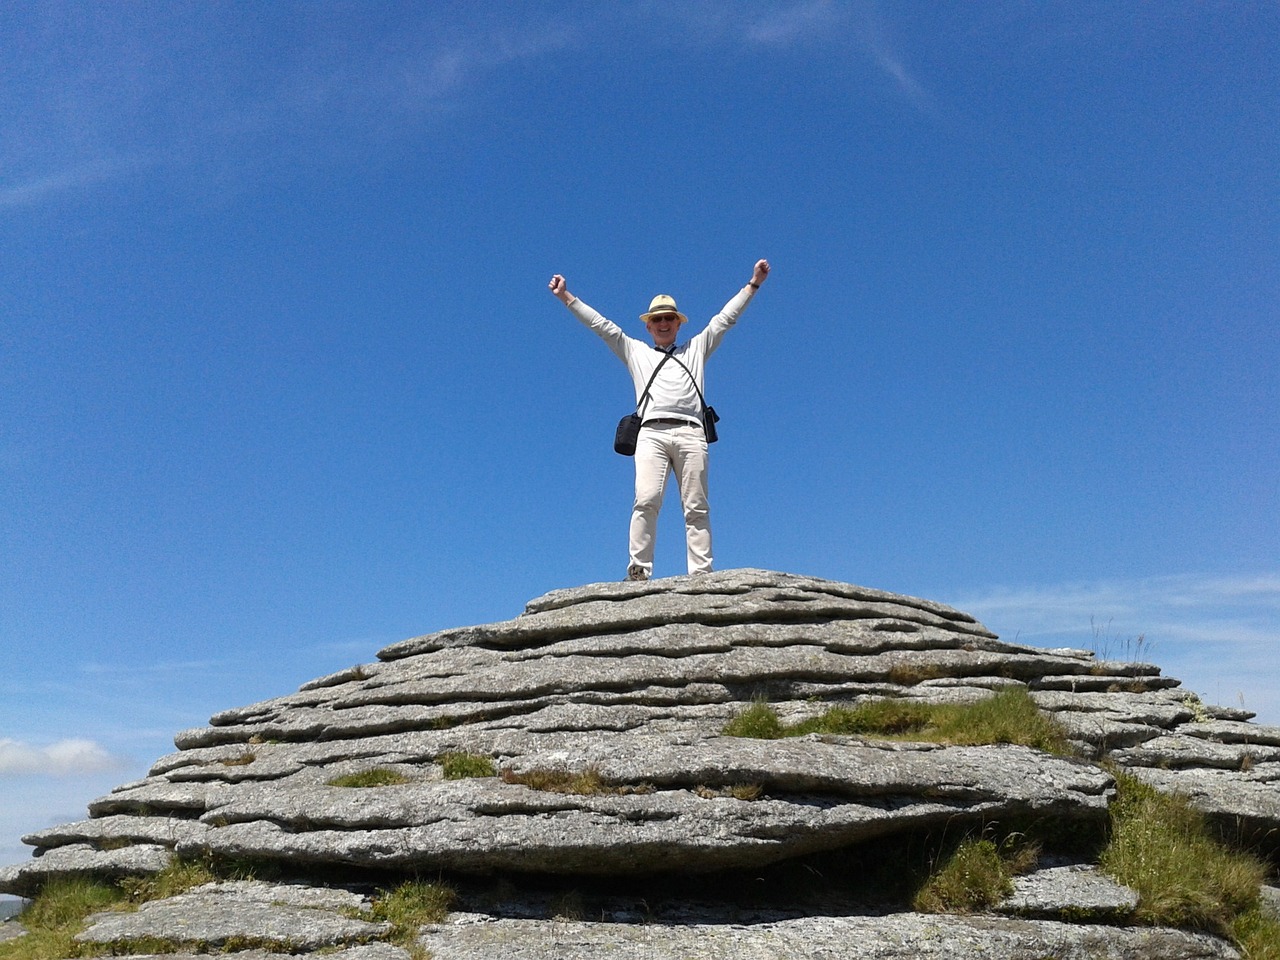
(631, 685)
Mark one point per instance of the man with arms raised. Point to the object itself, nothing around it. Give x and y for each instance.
(672, 435)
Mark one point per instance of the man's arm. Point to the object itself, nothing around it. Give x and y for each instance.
(605, 329)
(728, 316)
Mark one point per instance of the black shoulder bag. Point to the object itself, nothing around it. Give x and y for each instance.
(624, 440)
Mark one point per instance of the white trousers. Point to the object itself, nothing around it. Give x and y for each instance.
(662, 449)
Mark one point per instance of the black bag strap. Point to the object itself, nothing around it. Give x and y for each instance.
(692, 379)
(644, 397)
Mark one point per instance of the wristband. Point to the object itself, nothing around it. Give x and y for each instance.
(753, 285)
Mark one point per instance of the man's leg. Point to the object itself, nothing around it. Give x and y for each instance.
(689, 459)
(652, 463)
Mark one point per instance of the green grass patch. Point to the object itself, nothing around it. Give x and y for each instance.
(1257, 934)
(583, 782)
(57, 914)
(376, 777)
(881, 718)
(464, 766)
(758, 722)
(1009, 716)
(973, 878)
(178, 877)
(1161, 846)
(411, 905)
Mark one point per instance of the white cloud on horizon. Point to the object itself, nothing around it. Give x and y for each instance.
(63, 758)
(1244, 607)
(1216, 634)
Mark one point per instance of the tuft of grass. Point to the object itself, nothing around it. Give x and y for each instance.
(973, 878)
(569, 905)
(463, 766)
(736, 791)
(376, 777)
(583, 783)
(910, 674)
(178, 877)
(411, 905)
(240, 760)
(758, 722)
(57, 914)
(1257, 933)
(1161, 847)
(1107, 646)
(1009, 716)
(890, 717)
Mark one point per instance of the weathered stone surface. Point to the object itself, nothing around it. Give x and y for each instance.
(816, 795)
(1245, 804)
(82, 859)
(893, 937)
(633, 683)
(1076, 892)
(1179, 750)
(280, 917)
(735, 596)
(158, 831)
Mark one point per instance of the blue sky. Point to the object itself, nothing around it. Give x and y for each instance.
(281, 381)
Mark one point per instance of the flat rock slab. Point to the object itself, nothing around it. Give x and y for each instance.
(817, 795)
(82, 859)
(284, 918)
(907, 936)
(1076, 892)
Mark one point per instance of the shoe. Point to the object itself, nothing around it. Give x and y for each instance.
(636, 572)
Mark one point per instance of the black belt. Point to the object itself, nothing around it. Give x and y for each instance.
(671, 420)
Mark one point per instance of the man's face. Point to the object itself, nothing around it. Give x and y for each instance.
(663, 328)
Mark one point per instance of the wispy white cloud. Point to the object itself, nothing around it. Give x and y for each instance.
(44, 186)
(873, 36)
(811, 21)
(905, 82)
(377, 86)
(63, 758)
(793, 22)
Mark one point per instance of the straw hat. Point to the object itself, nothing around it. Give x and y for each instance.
(662, 304)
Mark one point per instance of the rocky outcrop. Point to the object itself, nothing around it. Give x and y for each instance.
(627, 687)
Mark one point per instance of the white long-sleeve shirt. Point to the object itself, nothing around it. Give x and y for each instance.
(672, 394)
